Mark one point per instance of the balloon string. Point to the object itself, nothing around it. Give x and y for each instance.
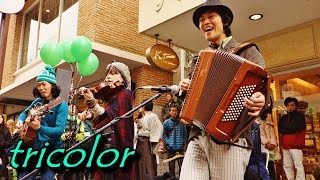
(72, 69)
(80, 77)
(71, 92)
(72, 89)
(79, 82)
(76, 73)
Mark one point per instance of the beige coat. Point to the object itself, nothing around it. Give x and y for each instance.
(267, 135)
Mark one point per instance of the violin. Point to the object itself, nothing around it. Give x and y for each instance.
(103, 91)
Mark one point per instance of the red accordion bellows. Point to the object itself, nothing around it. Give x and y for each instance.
(214, 101)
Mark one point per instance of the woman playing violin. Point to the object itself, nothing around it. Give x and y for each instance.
(119, 102)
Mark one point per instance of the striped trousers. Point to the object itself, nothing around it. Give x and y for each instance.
(206, 160)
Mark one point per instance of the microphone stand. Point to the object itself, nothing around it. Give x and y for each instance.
(111, 123)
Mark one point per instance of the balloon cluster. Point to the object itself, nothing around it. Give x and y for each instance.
(78, 51)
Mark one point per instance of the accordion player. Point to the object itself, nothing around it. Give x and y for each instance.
(219, 84)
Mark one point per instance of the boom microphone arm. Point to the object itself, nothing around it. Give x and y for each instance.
(111, 123)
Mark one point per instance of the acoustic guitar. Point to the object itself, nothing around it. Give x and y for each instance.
(29, 134)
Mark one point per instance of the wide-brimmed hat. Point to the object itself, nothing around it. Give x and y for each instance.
(214, 5)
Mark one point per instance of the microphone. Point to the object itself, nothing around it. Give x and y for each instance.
(162, 89)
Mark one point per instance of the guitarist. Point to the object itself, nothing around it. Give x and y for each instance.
(50, 126)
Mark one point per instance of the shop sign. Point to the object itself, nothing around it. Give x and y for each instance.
(162, 57)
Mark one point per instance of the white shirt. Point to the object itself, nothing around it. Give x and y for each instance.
(151, 127)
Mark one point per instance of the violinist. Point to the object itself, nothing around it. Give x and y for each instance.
(118, 100)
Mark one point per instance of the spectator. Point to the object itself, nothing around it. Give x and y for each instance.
(73, 133)
(269, 143)
(88, 127)
(292, 127)
(302, 107)
(149, 134)
(74, 130)
(11, 126)
(88, 131)
(137, 120)
(4, 138)
(257, 164)
(268, 139)
(175, 137)
(12, 173)
(166, 107)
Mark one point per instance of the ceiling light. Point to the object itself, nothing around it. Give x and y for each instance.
(47, 10)
(255, 17)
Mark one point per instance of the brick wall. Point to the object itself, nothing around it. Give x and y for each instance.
(148, 76)
(9, 60)
(113, 23)
(12, 49)
(144, 76)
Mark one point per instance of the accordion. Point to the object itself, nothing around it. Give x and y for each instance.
(219, 84)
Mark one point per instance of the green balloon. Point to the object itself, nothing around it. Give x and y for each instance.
(67, 55)
(81, 48)
(88, 66)
(51, 53)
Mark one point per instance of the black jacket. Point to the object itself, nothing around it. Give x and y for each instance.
(291, 123)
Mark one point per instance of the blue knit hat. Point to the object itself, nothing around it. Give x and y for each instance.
(48, 75)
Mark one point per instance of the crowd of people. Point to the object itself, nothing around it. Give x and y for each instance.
(169, 136)
(156, 137)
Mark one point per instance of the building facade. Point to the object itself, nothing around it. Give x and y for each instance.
(289, 44)
(122, 30)
(111, 26)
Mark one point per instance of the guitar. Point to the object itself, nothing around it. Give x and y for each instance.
(29, 134)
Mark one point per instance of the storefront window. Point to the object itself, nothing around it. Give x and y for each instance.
(30, 36)
(49, 25)
(306, 88)
(35, 33)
